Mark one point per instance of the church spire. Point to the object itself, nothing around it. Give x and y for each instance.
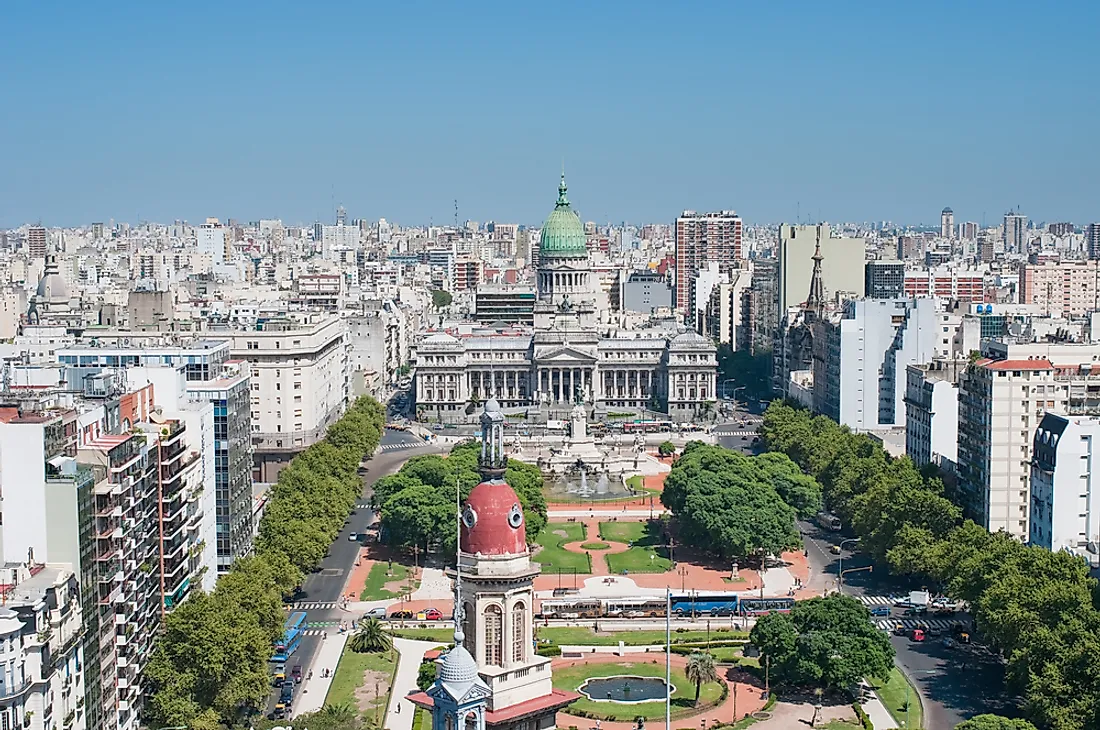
(815, 302)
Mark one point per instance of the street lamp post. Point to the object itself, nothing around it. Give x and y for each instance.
(840, 566)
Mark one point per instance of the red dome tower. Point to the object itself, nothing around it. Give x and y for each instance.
(492, 519)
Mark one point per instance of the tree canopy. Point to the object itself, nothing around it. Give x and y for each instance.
(729, 503)
(1033, 606)
(417, 503)
(209, 666)
(441, 299)
(994, 722)
(826, 642)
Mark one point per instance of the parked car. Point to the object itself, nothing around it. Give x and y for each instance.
(401, 614)
(353, 537)
(432, 614)
(378, 612)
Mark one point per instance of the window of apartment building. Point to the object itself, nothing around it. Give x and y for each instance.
(255, 414)
(297, 343)
(297, 399)
(297, 386)
(278, 386)
(298, 413)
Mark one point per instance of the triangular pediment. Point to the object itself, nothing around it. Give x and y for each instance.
(564, 355)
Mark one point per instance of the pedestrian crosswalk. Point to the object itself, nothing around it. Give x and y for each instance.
(735, 433)
(312, 605)
(943, 624)
(314, 632)
(402, 445)
(878, 600)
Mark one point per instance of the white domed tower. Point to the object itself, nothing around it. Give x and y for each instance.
(494, 612)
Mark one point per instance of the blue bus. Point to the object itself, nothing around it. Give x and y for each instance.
(704, 604)
(292, 636)
(762, 606)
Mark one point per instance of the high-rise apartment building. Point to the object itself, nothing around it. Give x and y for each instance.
(932, 412)
(702, 238)
(38, 242)
(1014, 232)
(300, 385)
(1065, 496)
(969, 231)
(336, 238)
(1062, 289)
(946, 282)
(211, 377)
(859, 364)
(884, 279)
(947, 223)
(764, 304)
(210, 240)
(1002, 398)
(1060, 229)
(1092, 240)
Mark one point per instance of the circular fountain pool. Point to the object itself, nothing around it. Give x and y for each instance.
(624, 689)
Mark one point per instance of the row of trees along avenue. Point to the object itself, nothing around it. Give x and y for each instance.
(209, 667)
(1035, 607)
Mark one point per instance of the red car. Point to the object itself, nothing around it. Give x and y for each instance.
(433, 614)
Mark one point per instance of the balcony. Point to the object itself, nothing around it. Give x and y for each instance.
(14, 689)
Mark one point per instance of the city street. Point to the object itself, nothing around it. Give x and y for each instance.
(954, 684)
(325, 586)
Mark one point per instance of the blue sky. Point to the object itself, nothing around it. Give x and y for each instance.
(842, 111)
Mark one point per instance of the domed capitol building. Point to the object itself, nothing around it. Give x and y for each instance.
(567, 357)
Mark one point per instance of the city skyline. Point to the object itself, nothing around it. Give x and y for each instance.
(149, 113)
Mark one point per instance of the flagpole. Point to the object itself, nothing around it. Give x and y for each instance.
(668, 658)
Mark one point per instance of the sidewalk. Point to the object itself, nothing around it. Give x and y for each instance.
(311, 696)
(880, 716)
(399, 715)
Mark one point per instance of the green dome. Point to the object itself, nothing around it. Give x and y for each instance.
(563, 233)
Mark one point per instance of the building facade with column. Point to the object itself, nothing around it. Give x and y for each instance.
(566, 357)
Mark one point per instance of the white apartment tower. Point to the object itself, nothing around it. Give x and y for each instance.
(1014, 233)
(210, 238)
(1065, 498)
(1002, 398)
(947, 223)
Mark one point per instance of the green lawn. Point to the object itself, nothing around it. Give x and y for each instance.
(892, 695)
(644, 557)
(584, 636)
(444, 635)
(349, 676)
(623, 531)
(570, 678)
(635, 482)
(373, 589)
(552, 557)
(595, 546)
(841, 725)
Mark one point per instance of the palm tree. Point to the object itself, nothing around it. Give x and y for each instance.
(340, 713)
(700, 669)
(370, 637)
